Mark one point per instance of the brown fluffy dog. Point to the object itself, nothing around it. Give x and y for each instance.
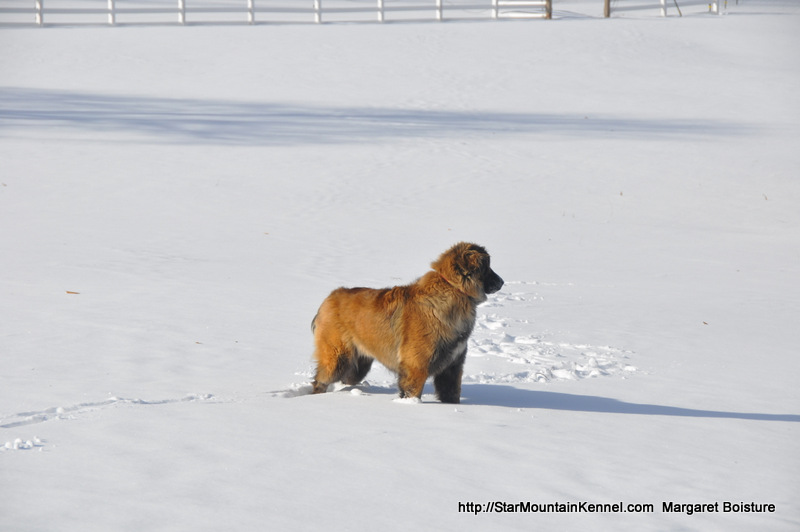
(417, 331)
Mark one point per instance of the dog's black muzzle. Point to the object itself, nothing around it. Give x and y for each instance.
(493, 283)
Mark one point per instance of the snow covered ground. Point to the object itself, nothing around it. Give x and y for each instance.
(175, 202)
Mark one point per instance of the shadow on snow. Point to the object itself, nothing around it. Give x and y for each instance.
(508, 396)
(258, 123)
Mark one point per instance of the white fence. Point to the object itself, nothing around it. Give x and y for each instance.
(717, 7)
(118, 12)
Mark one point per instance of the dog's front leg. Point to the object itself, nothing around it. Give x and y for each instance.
(448, 382)
(411, 379)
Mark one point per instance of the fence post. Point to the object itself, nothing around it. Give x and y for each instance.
(380, 10)
(495, 9)
(318, 11)
(251, 11)
(438, 9)
(181, 11)
(607, 8)
(39, 12)
(663, 8)
(112, 19)
(548, 8)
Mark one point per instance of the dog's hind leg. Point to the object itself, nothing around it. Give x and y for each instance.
(322, 378)
(332, 365)
(358, 369)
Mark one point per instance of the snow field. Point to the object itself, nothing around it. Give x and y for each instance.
(176, 202)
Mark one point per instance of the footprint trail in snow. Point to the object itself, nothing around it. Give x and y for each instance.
(70, 412)
(509, 350)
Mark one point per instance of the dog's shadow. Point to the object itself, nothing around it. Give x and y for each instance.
(508, 396)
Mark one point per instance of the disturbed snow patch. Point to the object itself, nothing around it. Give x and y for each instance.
(507, 350)
(23, 445)
(70, 411)
(294, 390)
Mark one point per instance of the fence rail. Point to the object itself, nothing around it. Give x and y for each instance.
(718, 7)
(115, 12)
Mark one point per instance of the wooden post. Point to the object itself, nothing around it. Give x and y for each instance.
(39, 12)
(548, 9)
(663, 8)
(495, 9)
(318, 11)
(251, 11)
(380, 10)
(607, 8)
(181, 11)
(111, 13)
(438, 9)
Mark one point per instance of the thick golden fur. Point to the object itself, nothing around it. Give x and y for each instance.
(418, 330)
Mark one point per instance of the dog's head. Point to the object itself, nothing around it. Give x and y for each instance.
(467, 267)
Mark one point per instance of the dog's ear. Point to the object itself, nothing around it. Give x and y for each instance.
(478, 260)
(463, 259)
(470, 260)
(463, 266)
